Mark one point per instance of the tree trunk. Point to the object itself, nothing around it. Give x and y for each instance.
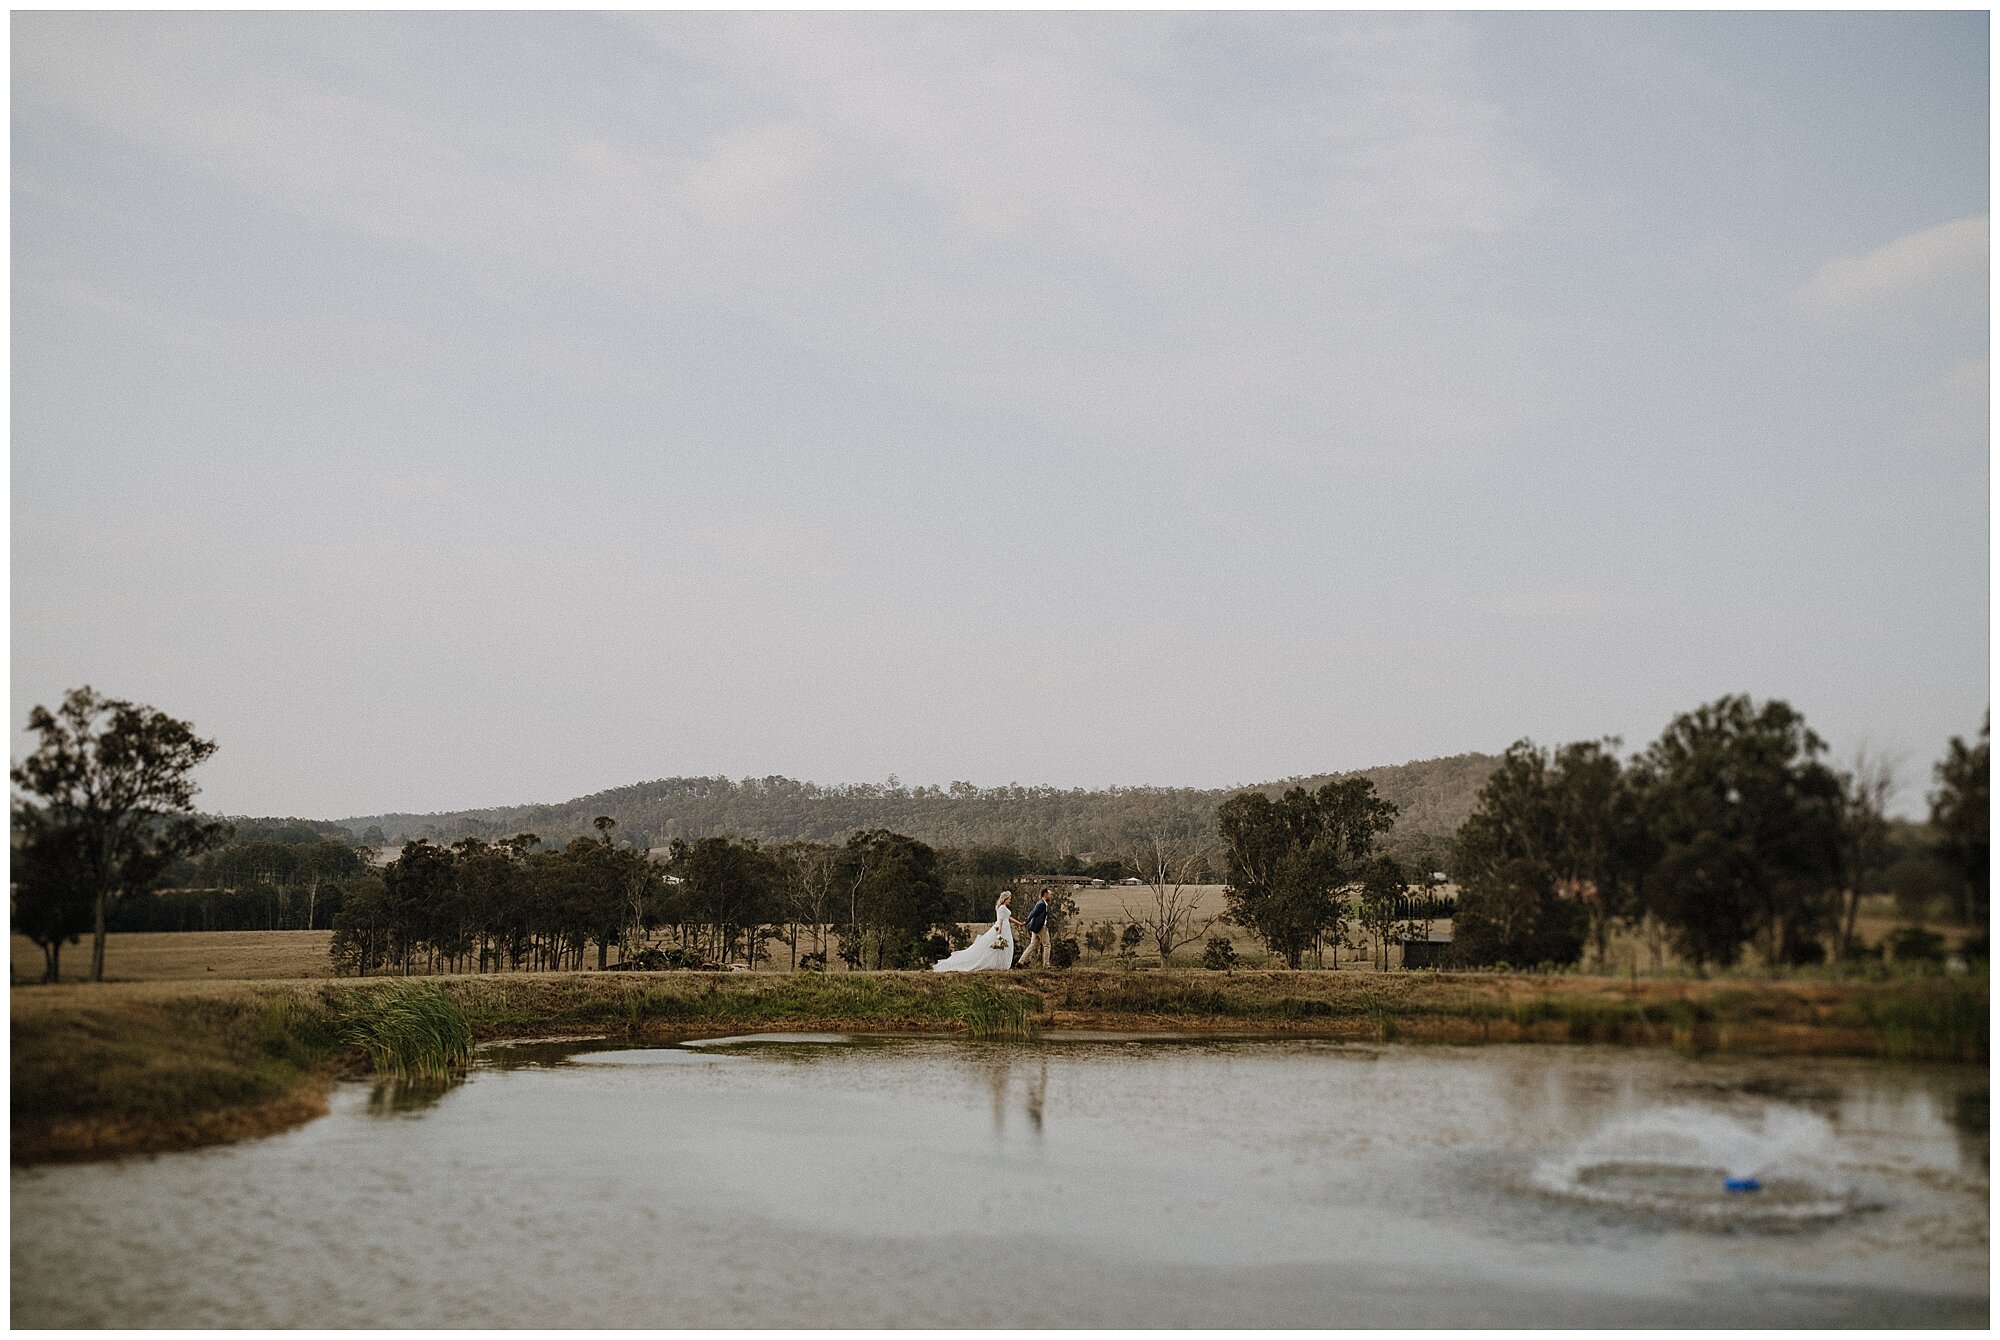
(52, 958)
(97, 935)
(603, 948)
(1840, 948)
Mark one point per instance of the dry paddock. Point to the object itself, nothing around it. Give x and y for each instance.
(173, 956)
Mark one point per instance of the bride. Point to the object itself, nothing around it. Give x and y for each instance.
(993, 949)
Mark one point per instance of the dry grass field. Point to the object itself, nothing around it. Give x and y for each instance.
(1120, 905)
(187, 955)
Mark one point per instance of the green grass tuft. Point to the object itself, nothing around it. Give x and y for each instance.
(409, 1029)
(1935, 1019)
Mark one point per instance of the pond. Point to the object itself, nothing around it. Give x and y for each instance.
(1079, 1181)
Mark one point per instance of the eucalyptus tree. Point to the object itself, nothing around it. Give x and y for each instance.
(809, 881)
(1556, 837)
(613, 884)
(417, 901)
(362, 932)
(1287, 859)
(52, 903)
(1960, 809)
(109, 792)
(1747, 819)
(1865, 789)
(1383, 904)
(896, 899)
(730, 889)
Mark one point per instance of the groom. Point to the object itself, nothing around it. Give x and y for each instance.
(1038, 931)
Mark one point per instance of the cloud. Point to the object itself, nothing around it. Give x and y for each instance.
(1918, 274)
(1134, 224)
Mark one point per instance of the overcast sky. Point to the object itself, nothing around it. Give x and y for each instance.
(470, 409)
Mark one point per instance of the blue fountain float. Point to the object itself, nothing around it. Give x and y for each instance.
(1708, 1167)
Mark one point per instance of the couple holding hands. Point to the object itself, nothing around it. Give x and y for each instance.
(995, 946)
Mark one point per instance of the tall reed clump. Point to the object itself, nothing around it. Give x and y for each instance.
(989, 1013)
(410, 1030)
(1937, 1020)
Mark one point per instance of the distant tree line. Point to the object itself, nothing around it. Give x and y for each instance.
(480, 907)
(1730, 830)
(261, 884)
(1431, 797)
(878, 900)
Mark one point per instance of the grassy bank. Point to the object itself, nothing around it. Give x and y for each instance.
(164, 1065)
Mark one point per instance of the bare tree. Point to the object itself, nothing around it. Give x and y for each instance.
(1169, 866)
(1865, 791)
(812, 879)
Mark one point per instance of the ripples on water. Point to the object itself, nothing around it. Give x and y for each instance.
(810, 1180)
(1780, 1170)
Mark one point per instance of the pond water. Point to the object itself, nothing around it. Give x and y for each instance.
(1083, 1181)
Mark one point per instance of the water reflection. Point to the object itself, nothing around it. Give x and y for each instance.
(1968, 1122)
(407, 1097)
(1005, 1063)
(783, 1182)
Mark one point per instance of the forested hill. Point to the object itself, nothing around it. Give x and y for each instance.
(1433, 796)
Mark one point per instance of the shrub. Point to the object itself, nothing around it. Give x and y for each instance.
(1063, 952)
(1129, 938)
(1914, 944)
(812, 963)
(1219, 955)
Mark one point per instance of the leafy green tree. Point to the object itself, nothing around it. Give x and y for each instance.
(485, 895)
(417, 900)
(1550, 825)
(1286, 858)
(1960, 811)
(1705, 891)
(896, 898)
(1748, 822)
(729, 888)
(1510, 913)
(975, 876)
(116, 777)
(1384, 903)
(1864, 833)
(361, 929)
(52, 905)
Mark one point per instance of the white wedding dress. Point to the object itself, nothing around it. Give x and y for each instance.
(993, 949)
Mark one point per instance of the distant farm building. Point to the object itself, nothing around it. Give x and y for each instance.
(1427, 951)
